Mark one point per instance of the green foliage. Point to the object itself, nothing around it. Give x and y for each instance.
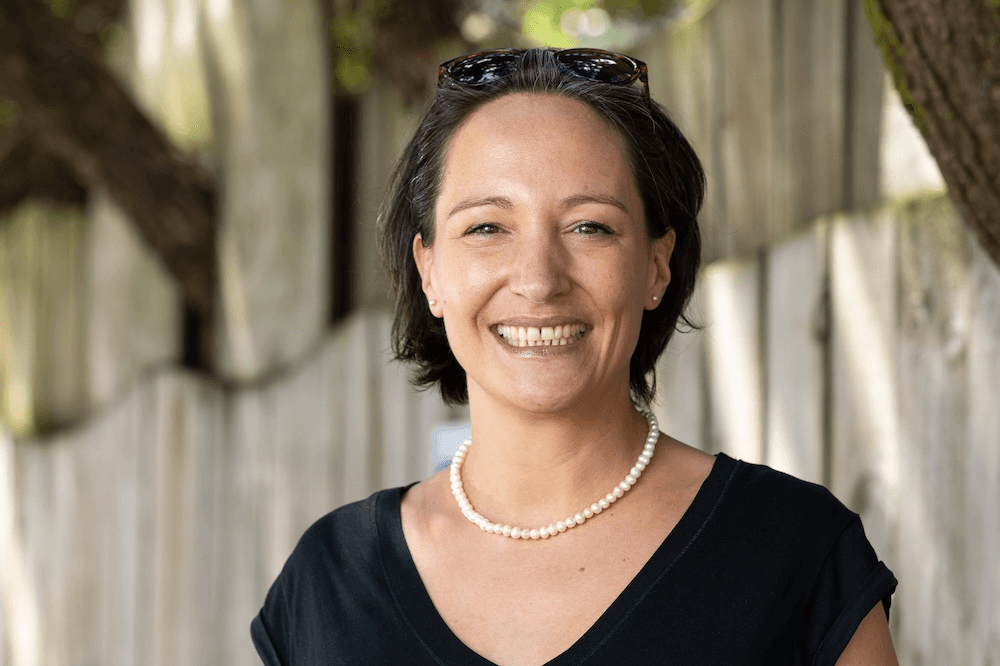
(893, 52)
(351, 36)
(540, 23)
(9, 113)
(62, 8)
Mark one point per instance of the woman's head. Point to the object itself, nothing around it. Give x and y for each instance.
(666, 178)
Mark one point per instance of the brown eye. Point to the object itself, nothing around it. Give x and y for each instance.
(592, 229)
(485, 229)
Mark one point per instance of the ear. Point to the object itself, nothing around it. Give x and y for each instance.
(659, 269)
(423, 255)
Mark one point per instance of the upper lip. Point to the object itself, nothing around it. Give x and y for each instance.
(538, 322)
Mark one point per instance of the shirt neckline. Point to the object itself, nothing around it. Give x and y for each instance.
(444, 647)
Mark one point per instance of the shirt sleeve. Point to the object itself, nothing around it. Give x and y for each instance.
(851, 582)
(263, 642)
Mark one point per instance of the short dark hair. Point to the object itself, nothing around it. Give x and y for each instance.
(666, 171)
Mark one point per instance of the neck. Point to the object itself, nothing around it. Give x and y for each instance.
(528, 468)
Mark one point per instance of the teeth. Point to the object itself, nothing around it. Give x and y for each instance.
(546, 336)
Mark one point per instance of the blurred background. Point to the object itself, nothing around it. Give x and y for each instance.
(194, 325)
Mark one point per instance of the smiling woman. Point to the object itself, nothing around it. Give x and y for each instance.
(542, 240)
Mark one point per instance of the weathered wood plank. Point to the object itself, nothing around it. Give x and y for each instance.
(733, 352)
(385, 128)
(397, 407)
(865, 82)
(42, 293)
(935, 312)
(906, 167)
(865, 447)
(981, 483)
(272, 127)
(681, 381)
(181, 498)
(359, 429)
(809, 114)
(796, 333)
(744, 40)
(247, 484)
(20, 617)
(133, 308)
(685, 76)
(302, 457)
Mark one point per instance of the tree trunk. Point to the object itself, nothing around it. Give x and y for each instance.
(78, 111)
(945, 58)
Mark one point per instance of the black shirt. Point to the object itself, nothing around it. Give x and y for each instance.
(761, 568)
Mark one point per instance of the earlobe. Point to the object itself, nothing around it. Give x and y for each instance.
(659, 272)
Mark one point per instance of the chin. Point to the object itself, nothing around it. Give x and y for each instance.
(542, 397)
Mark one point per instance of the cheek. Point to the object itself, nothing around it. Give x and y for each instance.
(624, 284)
(466, 283)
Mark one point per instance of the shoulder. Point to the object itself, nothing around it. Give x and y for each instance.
(340, 543)
(334, 570)
(766, 496)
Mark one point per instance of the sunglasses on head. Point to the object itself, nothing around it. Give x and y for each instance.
(485, 67)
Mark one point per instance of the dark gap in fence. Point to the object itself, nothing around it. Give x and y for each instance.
(344, 175)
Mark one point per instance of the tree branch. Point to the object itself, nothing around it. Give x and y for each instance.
(945, 58)
(28, 171)
(81, 114)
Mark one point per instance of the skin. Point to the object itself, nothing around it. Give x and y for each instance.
(539, 223)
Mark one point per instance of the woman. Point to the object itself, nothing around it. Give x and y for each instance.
(542, 242)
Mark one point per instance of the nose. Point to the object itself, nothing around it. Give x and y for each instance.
(539, 270)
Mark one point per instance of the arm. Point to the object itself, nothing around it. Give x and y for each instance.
(871, 643)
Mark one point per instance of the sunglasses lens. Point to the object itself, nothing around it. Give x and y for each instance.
(599, 66)
(484, 68)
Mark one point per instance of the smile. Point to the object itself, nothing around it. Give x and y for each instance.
(545, 336)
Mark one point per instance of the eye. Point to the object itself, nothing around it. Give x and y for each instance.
(592, 229)
(484, 229)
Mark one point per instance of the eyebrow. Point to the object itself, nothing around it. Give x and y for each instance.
(569, 202)
(502, 203)
(580, 199)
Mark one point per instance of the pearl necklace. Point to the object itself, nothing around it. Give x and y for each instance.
(561, 526)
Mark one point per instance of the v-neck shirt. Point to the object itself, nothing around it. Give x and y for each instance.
(761, 568)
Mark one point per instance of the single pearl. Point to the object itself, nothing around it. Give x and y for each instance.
(588, 513)
(569, 522)
(603, 503)
(579, 518)
(561, 526)
(617, 492)
(595, 508)
(515, 533)
(543, 532)
(533, 534)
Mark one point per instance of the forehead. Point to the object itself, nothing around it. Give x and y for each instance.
(553, 136)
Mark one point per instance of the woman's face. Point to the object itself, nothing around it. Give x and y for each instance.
(541, 264)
